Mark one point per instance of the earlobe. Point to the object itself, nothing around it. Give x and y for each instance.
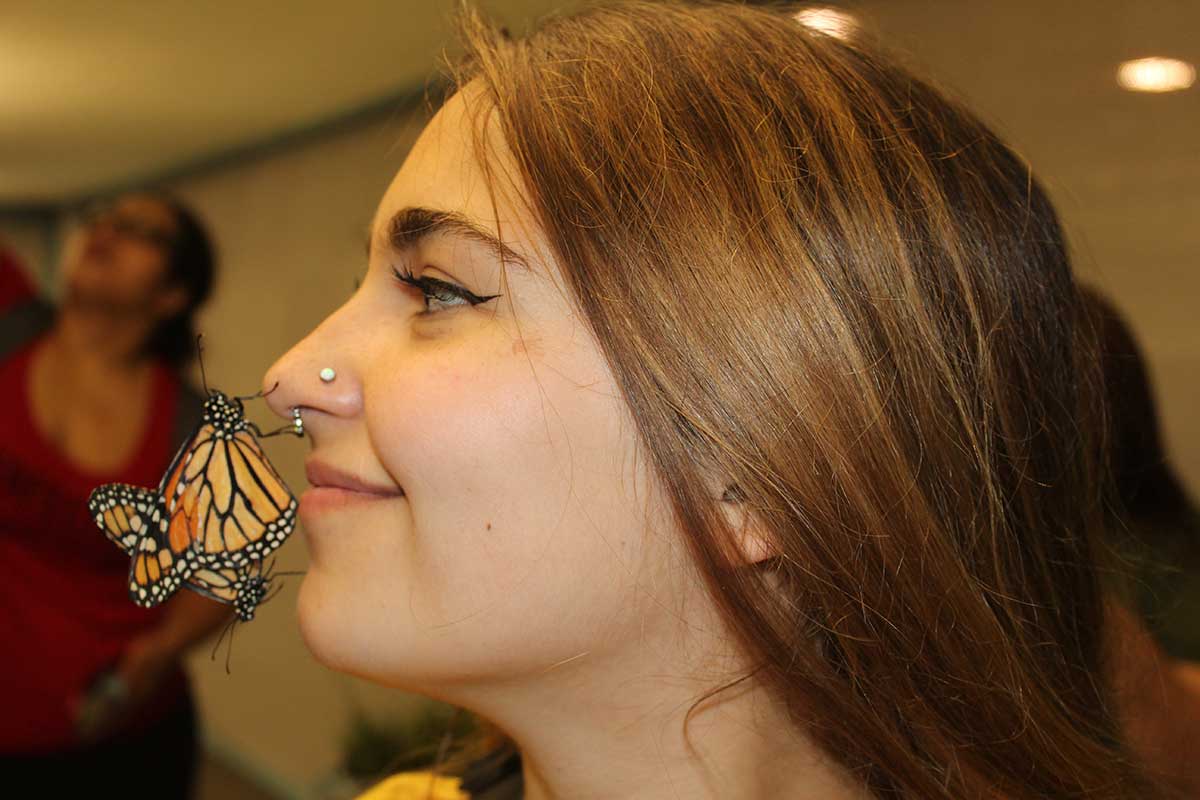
(753, 546)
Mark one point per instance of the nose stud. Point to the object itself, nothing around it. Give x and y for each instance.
(327, 375)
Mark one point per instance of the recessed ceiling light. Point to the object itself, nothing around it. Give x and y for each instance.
(1155, 75)
(829, 21)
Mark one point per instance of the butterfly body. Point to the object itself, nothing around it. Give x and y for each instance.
(244, 589)
(220, 506)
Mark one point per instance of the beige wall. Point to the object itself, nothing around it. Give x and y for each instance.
(291, 230)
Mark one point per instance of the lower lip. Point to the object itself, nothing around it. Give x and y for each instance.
(321, 499)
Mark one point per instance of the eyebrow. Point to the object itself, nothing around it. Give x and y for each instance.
(410, 225)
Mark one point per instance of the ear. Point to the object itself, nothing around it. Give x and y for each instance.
(170, 301)
(753, 546)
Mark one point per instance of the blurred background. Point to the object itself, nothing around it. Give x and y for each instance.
(283, 123)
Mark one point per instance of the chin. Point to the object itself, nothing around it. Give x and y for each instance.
(339, 634)
(319, 623)
(344, 636)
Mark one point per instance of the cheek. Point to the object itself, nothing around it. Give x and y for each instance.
(525, 510)
(140, 270)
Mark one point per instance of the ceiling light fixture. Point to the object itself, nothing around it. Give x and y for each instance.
(1155, 75)
(828, 21)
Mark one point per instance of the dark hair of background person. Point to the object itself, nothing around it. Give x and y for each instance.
(191, 264)
(1156, 523)
(1146, 485)
(818, 279)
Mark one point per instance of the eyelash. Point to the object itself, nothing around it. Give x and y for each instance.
(439, 291)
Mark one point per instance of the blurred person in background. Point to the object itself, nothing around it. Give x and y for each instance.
(91, 686)
(1156, 532)
(718, 417)
(1160, 521)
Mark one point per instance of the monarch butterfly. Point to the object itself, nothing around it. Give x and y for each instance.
(244, 589)
(219, 505)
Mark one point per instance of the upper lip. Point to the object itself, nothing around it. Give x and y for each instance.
(322, 474)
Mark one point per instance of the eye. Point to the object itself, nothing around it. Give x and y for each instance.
(439, 294)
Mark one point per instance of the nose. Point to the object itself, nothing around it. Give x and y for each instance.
(311, 375)
(101, 231)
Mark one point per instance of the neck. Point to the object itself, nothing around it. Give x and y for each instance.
(93, 342)
(633, 729)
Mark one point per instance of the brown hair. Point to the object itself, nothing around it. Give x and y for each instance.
(816, 277)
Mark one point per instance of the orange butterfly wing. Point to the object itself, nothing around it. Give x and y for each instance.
(242, 589)
(133, 518)
(220, 506)
(226, 503)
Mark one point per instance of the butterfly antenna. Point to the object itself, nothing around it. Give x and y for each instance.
(275, 590)
(259, 393)
(229, 650)
(200, 358)
(228, 627)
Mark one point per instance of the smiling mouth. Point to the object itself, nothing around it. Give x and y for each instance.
(327, 476)
(334, 488)
(321, 499)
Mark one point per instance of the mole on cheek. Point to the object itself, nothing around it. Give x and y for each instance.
(525, 344)
(489, 526)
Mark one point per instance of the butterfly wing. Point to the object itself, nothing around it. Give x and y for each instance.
(220, 584)
(182, 487)
(134, 519)
(171, 476)
(124, 513)
(226, 500)
(241, 588)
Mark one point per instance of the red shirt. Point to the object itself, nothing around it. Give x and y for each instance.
(14, 285)
(66, 609)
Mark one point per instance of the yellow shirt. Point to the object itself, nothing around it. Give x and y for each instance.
(415, 786)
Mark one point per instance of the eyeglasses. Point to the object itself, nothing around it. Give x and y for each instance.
(128, 226)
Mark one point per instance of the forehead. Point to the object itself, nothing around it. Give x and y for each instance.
(146, 209)
(443, 172)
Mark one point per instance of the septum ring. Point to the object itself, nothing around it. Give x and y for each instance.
(297, 421)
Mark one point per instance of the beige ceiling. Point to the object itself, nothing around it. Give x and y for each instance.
(97, 94)
(94, 94)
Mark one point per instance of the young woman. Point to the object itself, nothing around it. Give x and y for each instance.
(716, 419)
(93, 395)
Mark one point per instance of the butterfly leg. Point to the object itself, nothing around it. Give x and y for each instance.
(258, 394)
(257, 431)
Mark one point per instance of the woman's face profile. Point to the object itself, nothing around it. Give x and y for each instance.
(510, 526)
(119, 259)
